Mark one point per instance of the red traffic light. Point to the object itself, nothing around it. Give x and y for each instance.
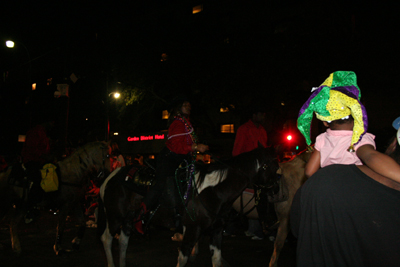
(289, 137)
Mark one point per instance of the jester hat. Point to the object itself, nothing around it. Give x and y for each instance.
(337, 97)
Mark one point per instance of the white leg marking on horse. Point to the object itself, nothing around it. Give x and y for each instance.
(211, 179)
(216, 256)
(182, 260)
(123, 246)
(107, 239)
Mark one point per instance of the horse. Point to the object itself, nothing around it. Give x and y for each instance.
(120, 196)
(291, 178)
(292, 175)
(217, 187)
(74, 174)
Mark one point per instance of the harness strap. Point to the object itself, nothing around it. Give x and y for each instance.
(242, 207)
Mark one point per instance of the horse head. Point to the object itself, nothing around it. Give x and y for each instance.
(267, 167)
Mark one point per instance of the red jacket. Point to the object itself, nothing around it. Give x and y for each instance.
(247, 137)
(179, 139)
(37, 145)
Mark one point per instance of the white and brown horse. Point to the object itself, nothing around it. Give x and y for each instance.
(218, 186)
(120, 196)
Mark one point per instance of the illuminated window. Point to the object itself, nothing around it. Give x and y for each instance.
(227, 128)
(197, 9)
(33, 86)
(224, 110)
(21, 138)
(165, 115)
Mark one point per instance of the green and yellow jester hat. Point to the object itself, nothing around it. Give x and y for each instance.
(337, 97)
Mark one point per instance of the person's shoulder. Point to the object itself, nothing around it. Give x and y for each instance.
(244, 126)
(176, 123)
(369, 135)
(321, 136)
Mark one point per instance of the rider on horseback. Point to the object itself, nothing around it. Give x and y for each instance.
(35, 153)
(182, 144)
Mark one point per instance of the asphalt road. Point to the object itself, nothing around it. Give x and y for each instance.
(154, 250)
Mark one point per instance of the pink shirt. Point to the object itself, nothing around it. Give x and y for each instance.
(333, 146)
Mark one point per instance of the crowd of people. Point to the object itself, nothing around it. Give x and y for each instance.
(346, 213)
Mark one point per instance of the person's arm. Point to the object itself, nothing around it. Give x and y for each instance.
(379, 162)
(313, 164)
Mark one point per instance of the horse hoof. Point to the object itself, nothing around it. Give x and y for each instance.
(58, 250)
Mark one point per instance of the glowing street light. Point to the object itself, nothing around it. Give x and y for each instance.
(115, 95)
(10, 44)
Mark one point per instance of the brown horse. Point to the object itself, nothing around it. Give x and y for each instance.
(292, 177)
(74, 176)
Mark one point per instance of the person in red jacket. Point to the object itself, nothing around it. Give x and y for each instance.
(35, 153)
(248, 136)
(181, 145)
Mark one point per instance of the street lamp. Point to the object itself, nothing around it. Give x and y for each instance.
(115, 95)
(11, 44)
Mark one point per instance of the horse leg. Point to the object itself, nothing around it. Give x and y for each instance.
(281, 235)
(60, 230)
(82, 228)
(123, 246)
(190, 238)
(16, 217)
(215, 248)
(107, 239)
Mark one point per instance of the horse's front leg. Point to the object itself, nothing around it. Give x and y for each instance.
(107, 239)
(82, 228)
(281, 235)
(191, 236)
(215, 249)
(123, 246)
(16, 217)
(62, 216)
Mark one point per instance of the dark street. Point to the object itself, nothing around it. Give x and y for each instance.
(157, 249)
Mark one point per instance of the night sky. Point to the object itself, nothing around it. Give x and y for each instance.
(230, 53)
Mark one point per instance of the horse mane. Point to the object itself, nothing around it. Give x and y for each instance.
(303, 155)
(242, 164)
(84, 161)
